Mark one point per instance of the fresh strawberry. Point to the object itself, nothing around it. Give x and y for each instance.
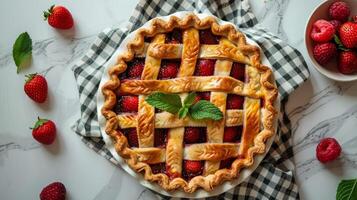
(322, 31)
(238, 71)
(168, 70)
(235, 101)
(336, 24)
(230, 134)
(59, 17)
(347, 62)
(53, 191)
(348, 34)
(324, 52)
(192, 135)
(328, 150)
(132, 137)
(207, 37)
(205, 67)
(44, 131)
(193, 166)
(129, 103)
(160, 137)
(136, 70)
(36, 87)
(339, 10)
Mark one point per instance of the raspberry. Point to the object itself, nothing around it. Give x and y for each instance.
(230, 134)
(328, 150)
(205, 67)
(238, 71)
(132, 137)
(193, 166)
(347, 63)
(136, 69)
(323, 53)
(336, 24)
(168, 70)
(192, 135)
(322, 31)
(207, 37)
(339, 10)
(129, 104)
(53, 191)
(235, 101)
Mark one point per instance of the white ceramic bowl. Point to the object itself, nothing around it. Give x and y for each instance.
(321, 12)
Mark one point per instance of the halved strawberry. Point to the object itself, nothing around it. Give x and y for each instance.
(193, 167)
(128, 104)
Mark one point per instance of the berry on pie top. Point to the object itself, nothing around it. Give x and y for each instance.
(323, 53)
(193, 166)
(136, 69)
(207, 37)
(168, 70)
(339, 10)
(132, 137)
(234, 101)
(231, 134)
(322, 31)
(205, 67)
(192, 135)
(348, 34)
(347, 63)
(328, 150)
(128, 104)
(238, 71)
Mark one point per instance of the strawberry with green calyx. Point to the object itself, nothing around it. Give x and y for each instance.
(36, 87)
(44, 131)
(59, 17)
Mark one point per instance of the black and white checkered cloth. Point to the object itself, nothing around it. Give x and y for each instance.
(274, 178)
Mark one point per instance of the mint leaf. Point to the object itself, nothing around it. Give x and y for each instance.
(22, 51)
(347, 190)
(183, 112)
(205, 110)
(189, 99)
(339, 43)
(168, 102)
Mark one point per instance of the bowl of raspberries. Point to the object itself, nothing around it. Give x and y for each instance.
(331, 39)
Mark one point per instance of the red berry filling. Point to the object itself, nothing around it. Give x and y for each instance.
(160, 137)
(174, 37)
(134, 69)
(148, 39)
(227, 163)
(192, 168)
(194, 135)
(158, 168)
(132, 137)
(232, 134)
(127, 104)
(169, 69)
(203, 96)
(238, 71)
(235, 101)
(207, 37)
(205, 67)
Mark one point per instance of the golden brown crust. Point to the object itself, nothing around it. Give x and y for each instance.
(261, 87)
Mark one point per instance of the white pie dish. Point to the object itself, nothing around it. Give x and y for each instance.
(199, 193)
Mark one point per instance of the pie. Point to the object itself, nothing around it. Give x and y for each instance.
(179, 56)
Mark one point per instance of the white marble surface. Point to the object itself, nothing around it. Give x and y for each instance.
(320, 108)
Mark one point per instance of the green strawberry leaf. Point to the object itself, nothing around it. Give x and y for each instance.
(39, 123)
(347, 190)
(22, 51)
(339, 43)
(205, 110)
(168, 102)
(189, 99)
(183, 112)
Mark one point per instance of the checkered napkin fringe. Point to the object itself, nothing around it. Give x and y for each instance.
(273, 179)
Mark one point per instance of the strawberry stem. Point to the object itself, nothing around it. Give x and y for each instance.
(29, 77)
(39, 122)
(48, 12)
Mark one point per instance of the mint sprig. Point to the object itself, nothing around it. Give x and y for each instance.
(22, 51)
(172, 103)
(347, 190)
